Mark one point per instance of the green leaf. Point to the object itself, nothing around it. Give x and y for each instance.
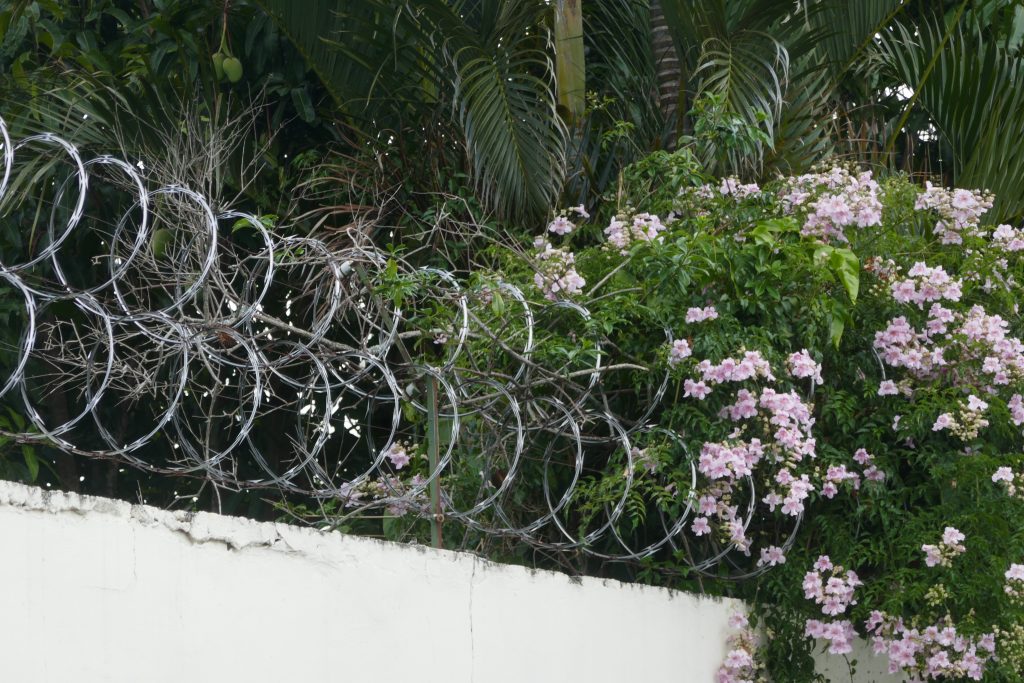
(303, 105)
(268, 221)
(835, 330)
(765, 231)
(846, 266)
(31, 462)
(498, 303)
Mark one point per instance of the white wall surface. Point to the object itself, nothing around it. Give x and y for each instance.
(101, 591)
(96, 590)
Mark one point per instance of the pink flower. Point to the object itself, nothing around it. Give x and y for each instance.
(708, 505)
(643, 227)
(952, 536)
(771, 556)
(738, 620)
(976, 404)
(561, 226)
(737, 659)
(696, 315)
(802, 365)
(680, 351)
(887, 388)
(1003, 474)
(792, 506)
(700, 526)
(397, 455)
(944, 421)
(1015, 572)
(1016, 406)
(872, 473)
(698, 390)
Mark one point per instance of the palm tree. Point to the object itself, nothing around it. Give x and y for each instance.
(402, 67)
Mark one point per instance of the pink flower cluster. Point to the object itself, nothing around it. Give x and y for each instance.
(751, 366)
(890, 388)
(833, 201)
(925, 284)
(1006, 477)
(1007, 238)
(935, 652)
(720, 460)
(986, 357)
(871, 471)
(1015, 583)
(949, 547)
(968, 421)
(622, 233)
(740, 665)
(695, 314)
(1016, 407)
(840, 634)
(785, 442)
(561, 225)
(802, 365)
(832, 587)
(959, 211)
(642, 458)
(902, 346)
(679, 351)
(837, 475)
(396, 492)
(557, 274)
(732, 186)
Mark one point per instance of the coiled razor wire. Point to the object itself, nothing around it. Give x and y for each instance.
(232, 372)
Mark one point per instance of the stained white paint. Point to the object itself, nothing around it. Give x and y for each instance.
(101, 591)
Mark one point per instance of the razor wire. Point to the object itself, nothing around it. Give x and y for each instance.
(278, 362)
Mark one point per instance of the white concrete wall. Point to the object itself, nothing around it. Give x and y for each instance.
(101, 591)
(96, 590)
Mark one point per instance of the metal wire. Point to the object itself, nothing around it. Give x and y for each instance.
(275, 361)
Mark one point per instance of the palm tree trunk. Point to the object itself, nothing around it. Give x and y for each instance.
(667, 65)
(570, 69)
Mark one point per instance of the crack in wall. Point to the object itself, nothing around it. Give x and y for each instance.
(472, 639)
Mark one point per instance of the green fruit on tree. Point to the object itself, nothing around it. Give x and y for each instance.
(218, 65)
(162, 238)
(233, 69)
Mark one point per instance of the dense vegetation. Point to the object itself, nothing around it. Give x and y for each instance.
(753, 175)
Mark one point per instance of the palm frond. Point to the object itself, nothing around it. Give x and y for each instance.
(974, 95)
(391, 64)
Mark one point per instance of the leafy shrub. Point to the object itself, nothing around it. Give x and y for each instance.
(853, 344)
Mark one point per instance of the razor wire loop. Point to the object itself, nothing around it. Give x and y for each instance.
(191, 330)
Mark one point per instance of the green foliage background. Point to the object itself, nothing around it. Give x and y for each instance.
(437, 119)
